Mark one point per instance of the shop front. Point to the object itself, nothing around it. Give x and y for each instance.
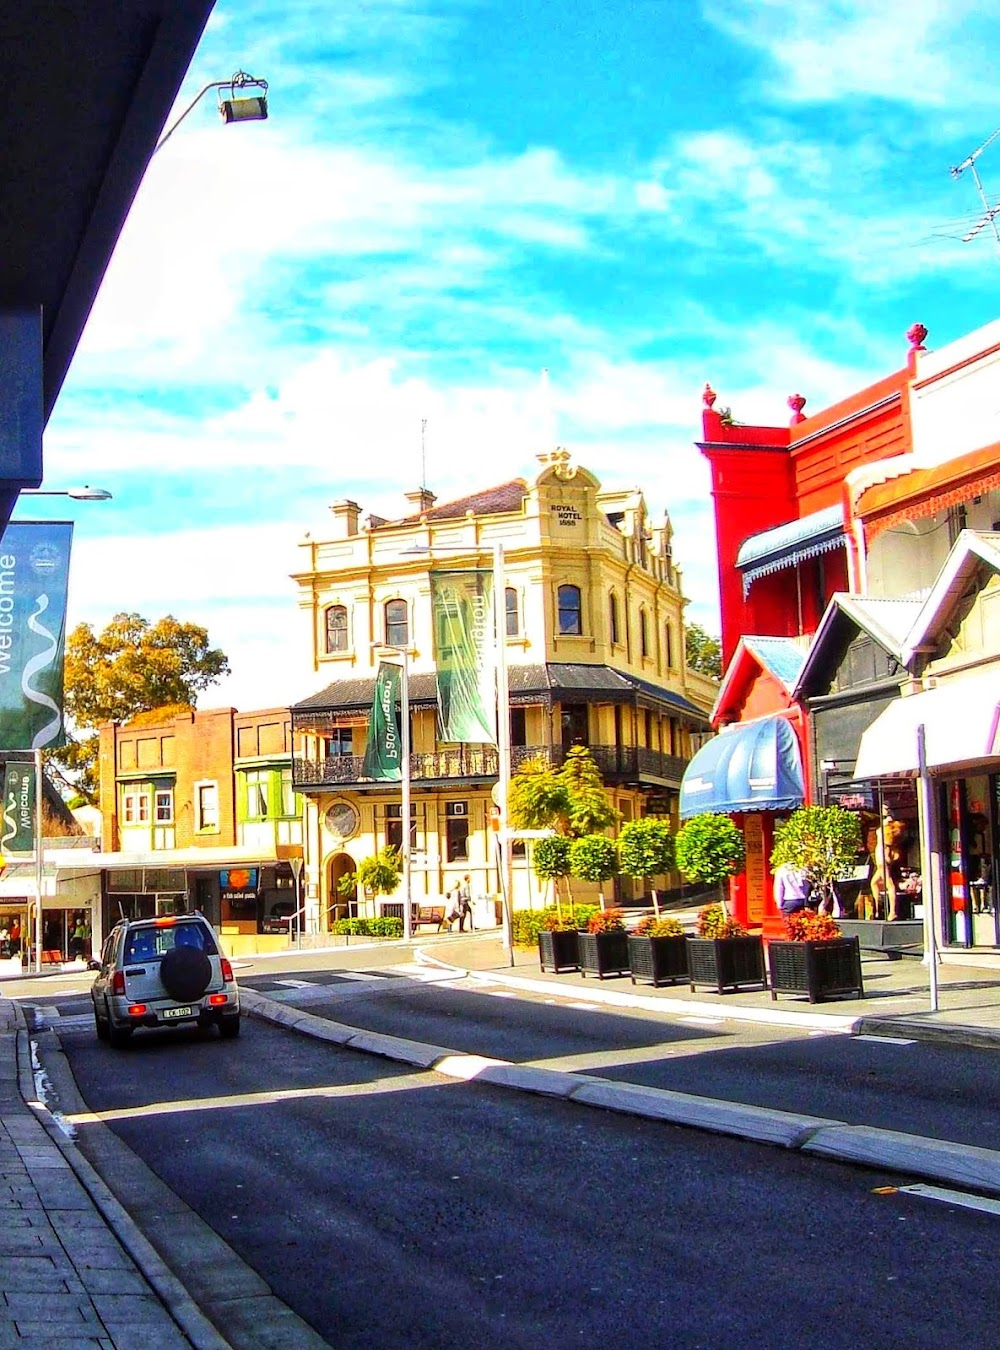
(69, 917)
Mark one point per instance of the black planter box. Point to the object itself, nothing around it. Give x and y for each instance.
(558, 951)
(658, 960)
(820, 970)
(895, 937)
(603, 954)
(726, 963)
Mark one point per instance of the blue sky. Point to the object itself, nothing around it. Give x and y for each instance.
(451, 195)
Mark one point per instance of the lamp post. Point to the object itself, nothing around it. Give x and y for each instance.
(503, 721)
(404, 754)
(247, 102)
(79, 494)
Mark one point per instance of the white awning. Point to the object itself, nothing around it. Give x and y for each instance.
(961, 721)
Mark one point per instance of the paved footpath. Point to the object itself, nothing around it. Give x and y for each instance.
(74, 1269)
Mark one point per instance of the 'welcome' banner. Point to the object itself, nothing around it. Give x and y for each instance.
(383, 749)
(18, 832)
(34, 575)
(462, 609)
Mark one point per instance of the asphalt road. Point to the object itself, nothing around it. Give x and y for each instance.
(390, 1207)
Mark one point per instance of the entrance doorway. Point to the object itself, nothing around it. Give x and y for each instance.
(339, 904)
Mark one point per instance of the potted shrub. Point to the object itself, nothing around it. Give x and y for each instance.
(646, 850)
(603, 947)
(557, 942)
(815, 960)
(550, 862)
(709, 849)
(657, 952)
(594, 858)
(724, 954)
(823, 841)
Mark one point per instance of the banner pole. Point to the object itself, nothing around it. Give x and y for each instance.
(404, 805)
(38, 860)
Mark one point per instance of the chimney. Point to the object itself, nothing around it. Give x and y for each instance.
(346, 514)
(422, 500)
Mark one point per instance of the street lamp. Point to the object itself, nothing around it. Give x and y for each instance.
(404, 754)
(503, 719)
(246, 102)
(79, 494)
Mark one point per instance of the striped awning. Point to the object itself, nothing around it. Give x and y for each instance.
(786, 545)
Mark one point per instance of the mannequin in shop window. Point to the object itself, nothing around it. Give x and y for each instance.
(885, 845)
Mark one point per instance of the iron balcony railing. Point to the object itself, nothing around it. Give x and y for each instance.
(617, 763)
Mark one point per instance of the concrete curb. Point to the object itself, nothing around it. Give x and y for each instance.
(167, 1287)
(935, 1033)
(835, 1140)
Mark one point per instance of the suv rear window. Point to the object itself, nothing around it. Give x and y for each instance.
(153, 942)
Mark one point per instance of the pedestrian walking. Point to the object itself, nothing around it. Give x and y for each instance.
(465, 903)
(792, 888)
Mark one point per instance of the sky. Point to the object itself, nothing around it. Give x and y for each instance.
(450, 196)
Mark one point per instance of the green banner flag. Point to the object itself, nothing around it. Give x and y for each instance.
(462, 609)
(18, 832)
(34, 574)
(383, 749)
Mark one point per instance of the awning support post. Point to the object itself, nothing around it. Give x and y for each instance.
(929, 868)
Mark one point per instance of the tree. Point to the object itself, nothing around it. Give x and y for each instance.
(381, 875)
(550, 861)
(702, 652)
(129, 668)
(646, 849)
(594, 858)
(570, 800)
(589, 808)
(821, 840)
(710, 849)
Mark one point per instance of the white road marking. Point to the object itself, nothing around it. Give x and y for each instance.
(885, 1040)
(704, 1021)
(961, 1198)
(585, 1007)
(297, 984)
(500, 993)
(76, 1020)
(357, 975)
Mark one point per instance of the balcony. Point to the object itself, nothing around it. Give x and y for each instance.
(478, 763)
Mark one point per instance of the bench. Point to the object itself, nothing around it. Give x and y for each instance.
(428, 914)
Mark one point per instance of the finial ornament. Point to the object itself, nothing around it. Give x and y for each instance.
(915, 336)
(709, 396)
(797, 402)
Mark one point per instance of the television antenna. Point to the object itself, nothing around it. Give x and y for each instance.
(990, 213)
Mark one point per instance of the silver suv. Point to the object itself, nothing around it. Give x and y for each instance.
(165, 972)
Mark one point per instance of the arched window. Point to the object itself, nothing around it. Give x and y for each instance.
(336, 628)
(613, 612)
(397, 627)
(510, 602)
(643, 633)
(670, 646)
(570, 611)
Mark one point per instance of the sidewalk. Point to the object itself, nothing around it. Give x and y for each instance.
(74, 1269)
(896, 1001)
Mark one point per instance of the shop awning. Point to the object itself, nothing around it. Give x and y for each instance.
(753, 766)
(789, 544)
(961, 721)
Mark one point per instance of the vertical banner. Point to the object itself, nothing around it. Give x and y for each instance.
(34, 575)
(462, 611)
(18, 830)
(383, 749)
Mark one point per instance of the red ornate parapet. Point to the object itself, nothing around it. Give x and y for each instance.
(797, 402)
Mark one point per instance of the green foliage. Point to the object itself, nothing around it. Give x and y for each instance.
(593, 858)
(385, 927)
(822, 840)
(714, 922)
(537, 797)
(570, 800)
(646, 847)
(381, 875)
(526, 924)
(702, 653)
(709, 848)
(589, 808)
(130, 668)
(550, 858)
(347, 886)
(649, 926)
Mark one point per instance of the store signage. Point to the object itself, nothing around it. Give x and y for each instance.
(239, 884)
(17, 834)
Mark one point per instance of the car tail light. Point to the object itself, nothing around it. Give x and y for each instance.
(136, 1009)
(118, 982)
(217, 999)
(227, 970)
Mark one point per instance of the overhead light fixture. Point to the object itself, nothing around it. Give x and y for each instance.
(86, 493)
(241, 99)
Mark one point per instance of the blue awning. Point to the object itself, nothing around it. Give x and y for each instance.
(789, 544)
(752, 766)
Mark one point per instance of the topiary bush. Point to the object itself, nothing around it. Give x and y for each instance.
(384, 927)
(709, 848)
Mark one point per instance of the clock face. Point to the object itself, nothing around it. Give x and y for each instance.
(342, 820)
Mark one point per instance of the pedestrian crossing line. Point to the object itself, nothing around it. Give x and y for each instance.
(298, 984)
(885, 1040)
(501, 993)
(357, 975)
(947, 1197)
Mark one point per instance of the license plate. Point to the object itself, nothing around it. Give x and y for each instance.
(177, 1012)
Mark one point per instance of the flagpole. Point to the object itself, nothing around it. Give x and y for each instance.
(503, 746)
(38, 860)
(404, 712)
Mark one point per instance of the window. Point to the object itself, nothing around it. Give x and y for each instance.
(669, 632)
(135, 806)
(289, 805)
(207, 806)
(338, 742)
(457, 831)
(258, 794)
(570, 613)
(518, 727)
(164, 806)
(397, 627)
(394, 826)
(643, 633)
(510, 603)
(336, 628)
(613, 615)
(574, 724)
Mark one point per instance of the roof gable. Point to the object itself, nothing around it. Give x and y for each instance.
(966, 585)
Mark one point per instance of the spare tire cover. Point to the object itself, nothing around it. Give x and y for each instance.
(185, 973)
